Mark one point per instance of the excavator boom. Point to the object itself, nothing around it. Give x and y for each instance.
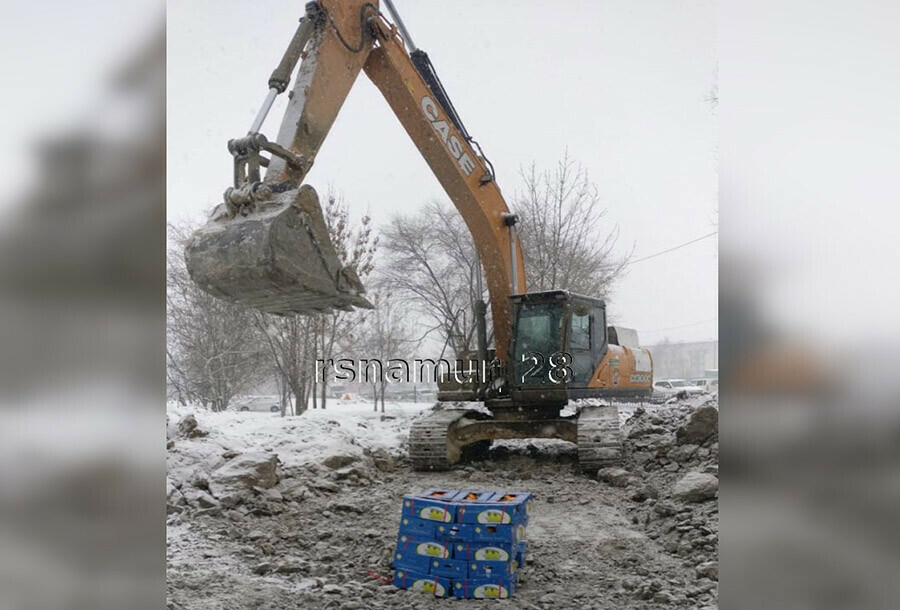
(267, 246)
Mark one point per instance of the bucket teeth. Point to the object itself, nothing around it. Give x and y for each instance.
(278, 259)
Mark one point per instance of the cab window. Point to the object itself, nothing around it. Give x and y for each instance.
(538, 329)
(581, 330)
(538, 335)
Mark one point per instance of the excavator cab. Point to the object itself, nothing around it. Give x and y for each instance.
(559, 339)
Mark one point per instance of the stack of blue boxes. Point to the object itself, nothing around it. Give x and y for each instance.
(467, 544)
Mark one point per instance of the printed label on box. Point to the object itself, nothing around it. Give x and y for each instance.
(491, 553)
(493, 516)
(484, 551)
(432, 549)
(436, 513)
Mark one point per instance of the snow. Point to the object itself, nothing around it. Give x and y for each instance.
(343, 428)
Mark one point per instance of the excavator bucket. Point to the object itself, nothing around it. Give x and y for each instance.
(278, 258)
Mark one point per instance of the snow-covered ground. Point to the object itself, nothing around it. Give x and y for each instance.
(343, 428)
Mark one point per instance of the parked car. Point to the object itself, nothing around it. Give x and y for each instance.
(337, 391)
(260, 404)
(709, 385)
(665, 388)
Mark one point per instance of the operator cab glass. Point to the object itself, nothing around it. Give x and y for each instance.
(558, 342)
(539, 331)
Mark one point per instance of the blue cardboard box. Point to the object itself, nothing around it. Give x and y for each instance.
(487, 560)
(502, 508)
(410, 544)
(507, 534)
(521, 551)
(421, 528)
(453, 531)
(467, 496)
(516, 502)
(431, 505)
(492, 569)
(440, 495)
(416, 553)
(484, 588)
(484, 551)
(411, 562)
(417, 581)
(465, 544)
(448, 568)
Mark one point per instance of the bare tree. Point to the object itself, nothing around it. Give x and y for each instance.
(384, 335)
(290, 343)
(212, 347)
(356, 244)
(564, 243)
(430, 259)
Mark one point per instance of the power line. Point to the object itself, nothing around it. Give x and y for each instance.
(687, 243)
(659, 330)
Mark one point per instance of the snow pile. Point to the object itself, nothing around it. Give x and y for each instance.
(204, 442)
(344, 427)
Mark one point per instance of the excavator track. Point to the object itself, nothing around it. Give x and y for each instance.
(431, 446)
(599, 437)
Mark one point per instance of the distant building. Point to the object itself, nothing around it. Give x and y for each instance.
(684, 360)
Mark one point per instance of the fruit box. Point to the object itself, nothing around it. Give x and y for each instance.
(448, 568)
(484, 588)
(415, 553)
(506, 534)
(420, 545)
(453, 531)
(418, 581)
(487, 560)
(503, 508)
(516, 502)
(421, 528)
(431, 505)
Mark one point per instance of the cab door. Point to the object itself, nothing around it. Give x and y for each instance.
(582, 331)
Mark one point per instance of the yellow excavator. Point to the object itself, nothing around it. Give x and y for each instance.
(266, 246)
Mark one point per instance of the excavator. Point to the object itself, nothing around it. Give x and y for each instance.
(266, 246)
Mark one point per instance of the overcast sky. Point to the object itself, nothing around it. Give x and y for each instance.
(622, 85)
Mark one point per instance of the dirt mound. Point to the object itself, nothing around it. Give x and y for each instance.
(672, 451)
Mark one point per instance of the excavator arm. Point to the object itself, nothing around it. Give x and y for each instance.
(254, 251)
